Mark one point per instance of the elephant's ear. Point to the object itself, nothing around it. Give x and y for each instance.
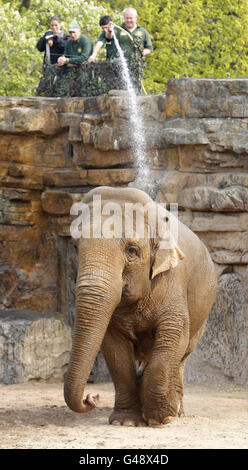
(166, 259)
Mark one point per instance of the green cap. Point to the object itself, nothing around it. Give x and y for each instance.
(73, 25)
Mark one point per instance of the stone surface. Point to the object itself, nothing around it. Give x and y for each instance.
(28, 268)
(89, 177)
(88, 156)
(215, 221)
(227, 247)
(35, 151)
(24, 119)
(216, 192)
(33, 346)
(200, 158)
(193, 97)
(219, 134)
(56, 202)
(224, 348)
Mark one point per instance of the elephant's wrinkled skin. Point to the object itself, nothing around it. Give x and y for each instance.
(138, 302)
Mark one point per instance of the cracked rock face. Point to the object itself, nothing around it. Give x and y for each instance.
(224, 345)
(33, 346)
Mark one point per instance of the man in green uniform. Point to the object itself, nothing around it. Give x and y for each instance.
(131, 27)
(77, 50)
(133, 39)
(78, 47)
(106, 39)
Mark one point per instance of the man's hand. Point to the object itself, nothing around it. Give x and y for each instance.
(146, 52)
(109, 31)
(110, 27)
(92, 58)
(62, 60)
(96, 49)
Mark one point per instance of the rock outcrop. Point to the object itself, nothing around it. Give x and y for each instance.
(54, 150)
(32, 346)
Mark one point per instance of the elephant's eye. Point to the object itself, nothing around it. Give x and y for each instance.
(132, 252)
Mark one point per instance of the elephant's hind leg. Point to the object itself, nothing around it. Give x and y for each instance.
(119, 356)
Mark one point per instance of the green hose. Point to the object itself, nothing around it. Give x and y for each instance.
(122, 29)
(130, 37)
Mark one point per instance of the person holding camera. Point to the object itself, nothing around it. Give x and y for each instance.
(53, 42)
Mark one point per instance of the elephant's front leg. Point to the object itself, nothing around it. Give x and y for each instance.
(119, 355)
(162, 386)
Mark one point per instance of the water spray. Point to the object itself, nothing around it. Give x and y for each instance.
(138, 139)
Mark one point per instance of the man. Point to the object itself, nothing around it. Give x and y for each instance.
(105, 38)
(78, 47)
(132, 27)
(136, 31)
(133, 39)
(77, 50)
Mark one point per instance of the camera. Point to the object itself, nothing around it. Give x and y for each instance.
(49, 35)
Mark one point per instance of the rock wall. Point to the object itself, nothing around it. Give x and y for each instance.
(54, 150)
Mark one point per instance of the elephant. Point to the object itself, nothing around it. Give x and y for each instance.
(145, 306)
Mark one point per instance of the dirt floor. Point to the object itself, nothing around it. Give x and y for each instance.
(33, 415)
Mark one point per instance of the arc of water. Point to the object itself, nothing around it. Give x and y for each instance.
(138, 141)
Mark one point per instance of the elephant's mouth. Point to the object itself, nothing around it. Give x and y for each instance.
(128, 297)
(125, 290)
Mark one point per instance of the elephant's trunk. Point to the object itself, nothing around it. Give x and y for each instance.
(98, 294)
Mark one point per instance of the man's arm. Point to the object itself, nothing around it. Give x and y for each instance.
(96, 49)
(148, 47)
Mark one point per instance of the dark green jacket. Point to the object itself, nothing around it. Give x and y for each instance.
(78, 51)
(111, 51)
(125, 41)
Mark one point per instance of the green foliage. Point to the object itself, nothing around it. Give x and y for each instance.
(16, 60)
(200, 38)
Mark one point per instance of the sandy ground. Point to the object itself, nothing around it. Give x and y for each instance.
(34, 416)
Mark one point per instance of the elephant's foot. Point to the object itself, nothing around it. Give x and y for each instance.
(156, 418)
(126, 418)
(157, 424)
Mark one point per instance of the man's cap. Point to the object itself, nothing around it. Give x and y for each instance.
(73, 25)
